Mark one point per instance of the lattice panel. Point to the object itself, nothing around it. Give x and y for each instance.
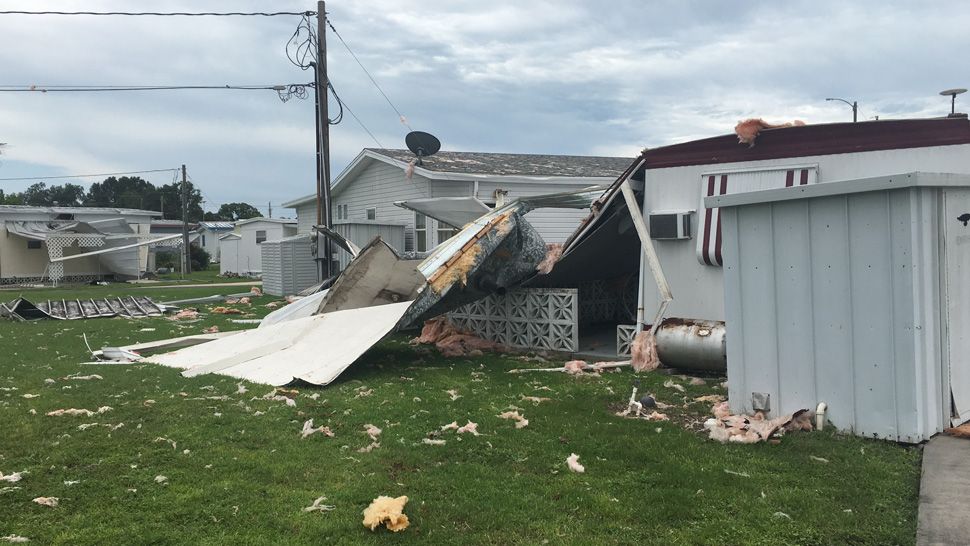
(55, 249)
(624, 337)
(535, 318)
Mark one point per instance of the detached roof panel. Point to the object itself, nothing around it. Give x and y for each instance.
(515, 164)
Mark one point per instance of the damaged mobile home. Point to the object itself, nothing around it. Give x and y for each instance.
(862, 312)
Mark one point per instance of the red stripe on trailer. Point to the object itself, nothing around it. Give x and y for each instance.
(705, 253)
(789, 179)
(804, 179)
(717, 238)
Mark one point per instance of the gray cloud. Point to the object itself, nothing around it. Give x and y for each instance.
(539, 76)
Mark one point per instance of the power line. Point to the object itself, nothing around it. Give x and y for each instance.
(92, 88)
(403, 119)
(343, 105)
(165, 14)
(85, 175)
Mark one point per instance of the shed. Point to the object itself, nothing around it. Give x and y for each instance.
(289, 265)
(245, 257)
(853, 293)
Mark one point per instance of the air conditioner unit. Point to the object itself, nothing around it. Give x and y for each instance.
(674, 224)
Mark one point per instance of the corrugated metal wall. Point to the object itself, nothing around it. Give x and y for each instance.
(837, 299)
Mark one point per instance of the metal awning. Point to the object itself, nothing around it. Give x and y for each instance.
(454, 211)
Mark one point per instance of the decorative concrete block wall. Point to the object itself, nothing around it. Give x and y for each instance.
(534, 318)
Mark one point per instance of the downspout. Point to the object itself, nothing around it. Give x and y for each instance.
(475, 189)
(820, 415)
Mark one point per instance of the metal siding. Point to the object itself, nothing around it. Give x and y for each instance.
(733, 298)
(903, 331)
(793, 293)
(872, 311)
(272, 261)
(832, 316)
(758, 307)
(957, 290)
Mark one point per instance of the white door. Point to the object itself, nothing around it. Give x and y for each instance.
(956, 244)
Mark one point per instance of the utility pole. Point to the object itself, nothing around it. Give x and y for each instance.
(324, 216)
(186, 262)
(270, 209)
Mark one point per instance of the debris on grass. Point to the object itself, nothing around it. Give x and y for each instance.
(736, 473)
(255, 291)
(781, 515)
(697, 381)
(220, 310)
(643, 352)
(372, 431)
(520, 420)
(536, 400)
(12, 478)
(308, 430)
(15, 539)
(387, 510)
(161, 479)
(363, 392)
(468, 427)
(79, 377)
(574, 367)
(241, 389)
(279, 395)
(185, 314)
(744, 429)
(28, 396)
(318, 507)
(214, 329)
(47, 501)
(453, 393)
(711, 398)
(10, 489)
(433, 442)
(73, 412)
(167, 440)
(818, 459)
(573, 463)
(450, 341)
(671, 385)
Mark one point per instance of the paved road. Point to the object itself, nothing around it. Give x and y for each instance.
(944, 493)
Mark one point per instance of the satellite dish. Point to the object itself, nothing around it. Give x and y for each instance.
(952, 93)
(422, 144)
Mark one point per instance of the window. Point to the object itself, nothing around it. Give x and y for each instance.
(33, 245)
(260, 236)
(372, 213)
(203, 239)
(445, 232)
(341, 212)
(420, 232)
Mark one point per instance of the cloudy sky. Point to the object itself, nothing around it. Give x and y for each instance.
(552, 77)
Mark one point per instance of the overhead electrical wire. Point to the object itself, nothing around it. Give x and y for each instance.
(165, 14)
(95, 88)
(403, 119)
(85, 175)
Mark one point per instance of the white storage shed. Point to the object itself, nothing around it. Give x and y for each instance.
(852, 293)
(289, 265)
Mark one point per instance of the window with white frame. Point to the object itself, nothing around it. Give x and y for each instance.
(445, 232)
(420, 232)
(260, 236)
(372, 213)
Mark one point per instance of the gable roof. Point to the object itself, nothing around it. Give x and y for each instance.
(28, 209)
(216, 225)
(510, 168)
(286, 221)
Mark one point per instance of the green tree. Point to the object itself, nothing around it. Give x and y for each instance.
(130, 192)
(171, 194)
(237, 211)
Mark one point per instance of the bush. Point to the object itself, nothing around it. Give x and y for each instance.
(199, 258)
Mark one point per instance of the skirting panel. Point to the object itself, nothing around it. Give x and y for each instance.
(533, 318)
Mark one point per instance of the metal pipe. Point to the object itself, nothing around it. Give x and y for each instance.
(692, 344)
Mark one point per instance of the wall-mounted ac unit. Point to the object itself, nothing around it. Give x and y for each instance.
(674, 224)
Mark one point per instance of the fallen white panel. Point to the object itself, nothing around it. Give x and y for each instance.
(301, 308)
(454, 211)
(314, 349)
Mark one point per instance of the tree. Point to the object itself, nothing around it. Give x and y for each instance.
(130, 192)
(171, 194)
(237, 211)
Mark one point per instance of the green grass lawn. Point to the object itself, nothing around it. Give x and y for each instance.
(241, 474)
(208, 275)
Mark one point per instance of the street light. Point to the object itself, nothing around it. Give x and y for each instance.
(855, 108)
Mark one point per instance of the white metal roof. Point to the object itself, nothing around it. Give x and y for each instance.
(30, 209)
(271, 220)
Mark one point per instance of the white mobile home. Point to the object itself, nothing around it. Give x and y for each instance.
(209, 234)
(365, 192)
(34, 242)
(240, 250)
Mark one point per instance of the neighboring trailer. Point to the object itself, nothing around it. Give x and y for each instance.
(364, 231)
(289, 265)
(855, 294)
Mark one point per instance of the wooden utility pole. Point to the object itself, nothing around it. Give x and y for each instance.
(187, 261)
(324, 206)
(270, 204)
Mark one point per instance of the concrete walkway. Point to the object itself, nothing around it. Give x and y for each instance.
(944, 493)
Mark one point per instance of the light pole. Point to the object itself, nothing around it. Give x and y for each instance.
(855, 108)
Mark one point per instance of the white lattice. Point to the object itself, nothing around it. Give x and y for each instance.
(56, 245)
(624, 337)
(538, 318)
